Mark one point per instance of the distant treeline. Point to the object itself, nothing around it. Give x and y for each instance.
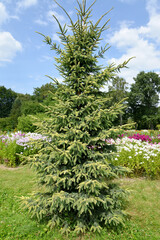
(16, 109)
(141, 103)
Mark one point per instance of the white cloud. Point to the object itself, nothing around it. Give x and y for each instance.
(7, 1)
(3, 13)
(8, 47)
(141, 42)
(49, 17)
(26, 3)
(41, 22)
(61, 18)
(152, 29)
(46, 58)
(125, 38)
(152, 7)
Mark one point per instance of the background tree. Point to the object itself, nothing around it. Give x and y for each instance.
(42, 93)
(15, 112)
(31, 108)
(143, 99)
(7, 97)
(35, 106)
(78, 191)
(118, 91)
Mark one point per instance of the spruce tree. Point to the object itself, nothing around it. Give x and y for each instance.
(77, 188)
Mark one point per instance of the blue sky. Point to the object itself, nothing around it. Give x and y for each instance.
(25, 59)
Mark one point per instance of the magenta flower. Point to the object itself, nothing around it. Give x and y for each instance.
(143, 138)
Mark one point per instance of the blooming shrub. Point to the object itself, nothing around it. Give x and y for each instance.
(14, 146)
(142, 157)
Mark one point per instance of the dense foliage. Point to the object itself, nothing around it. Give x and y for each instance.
(78, 191)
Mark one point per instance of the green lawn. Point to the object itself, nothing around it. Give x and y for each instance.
(15, 224)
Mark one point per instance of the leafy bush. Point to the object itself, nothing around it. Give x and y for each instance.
(6, 124)
(158, 126)
(8, 153)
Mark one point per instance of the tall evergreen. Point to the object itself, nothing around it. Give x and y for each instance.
(77, 189)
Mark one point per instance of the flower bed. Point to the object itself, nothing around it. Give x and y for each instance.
(15, 145)
(139, 152)
(140, 155)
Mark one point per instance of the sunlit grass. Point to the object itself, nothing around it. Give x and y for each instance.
(15, 224)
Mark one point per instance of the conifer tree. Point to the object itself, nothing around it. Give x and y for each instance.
(77, 191)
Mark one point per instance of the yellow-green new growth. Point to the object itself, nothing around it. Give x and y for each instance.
(77, 189)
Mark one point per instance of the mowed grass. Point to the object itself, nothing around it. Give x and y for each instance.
(15, 224)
